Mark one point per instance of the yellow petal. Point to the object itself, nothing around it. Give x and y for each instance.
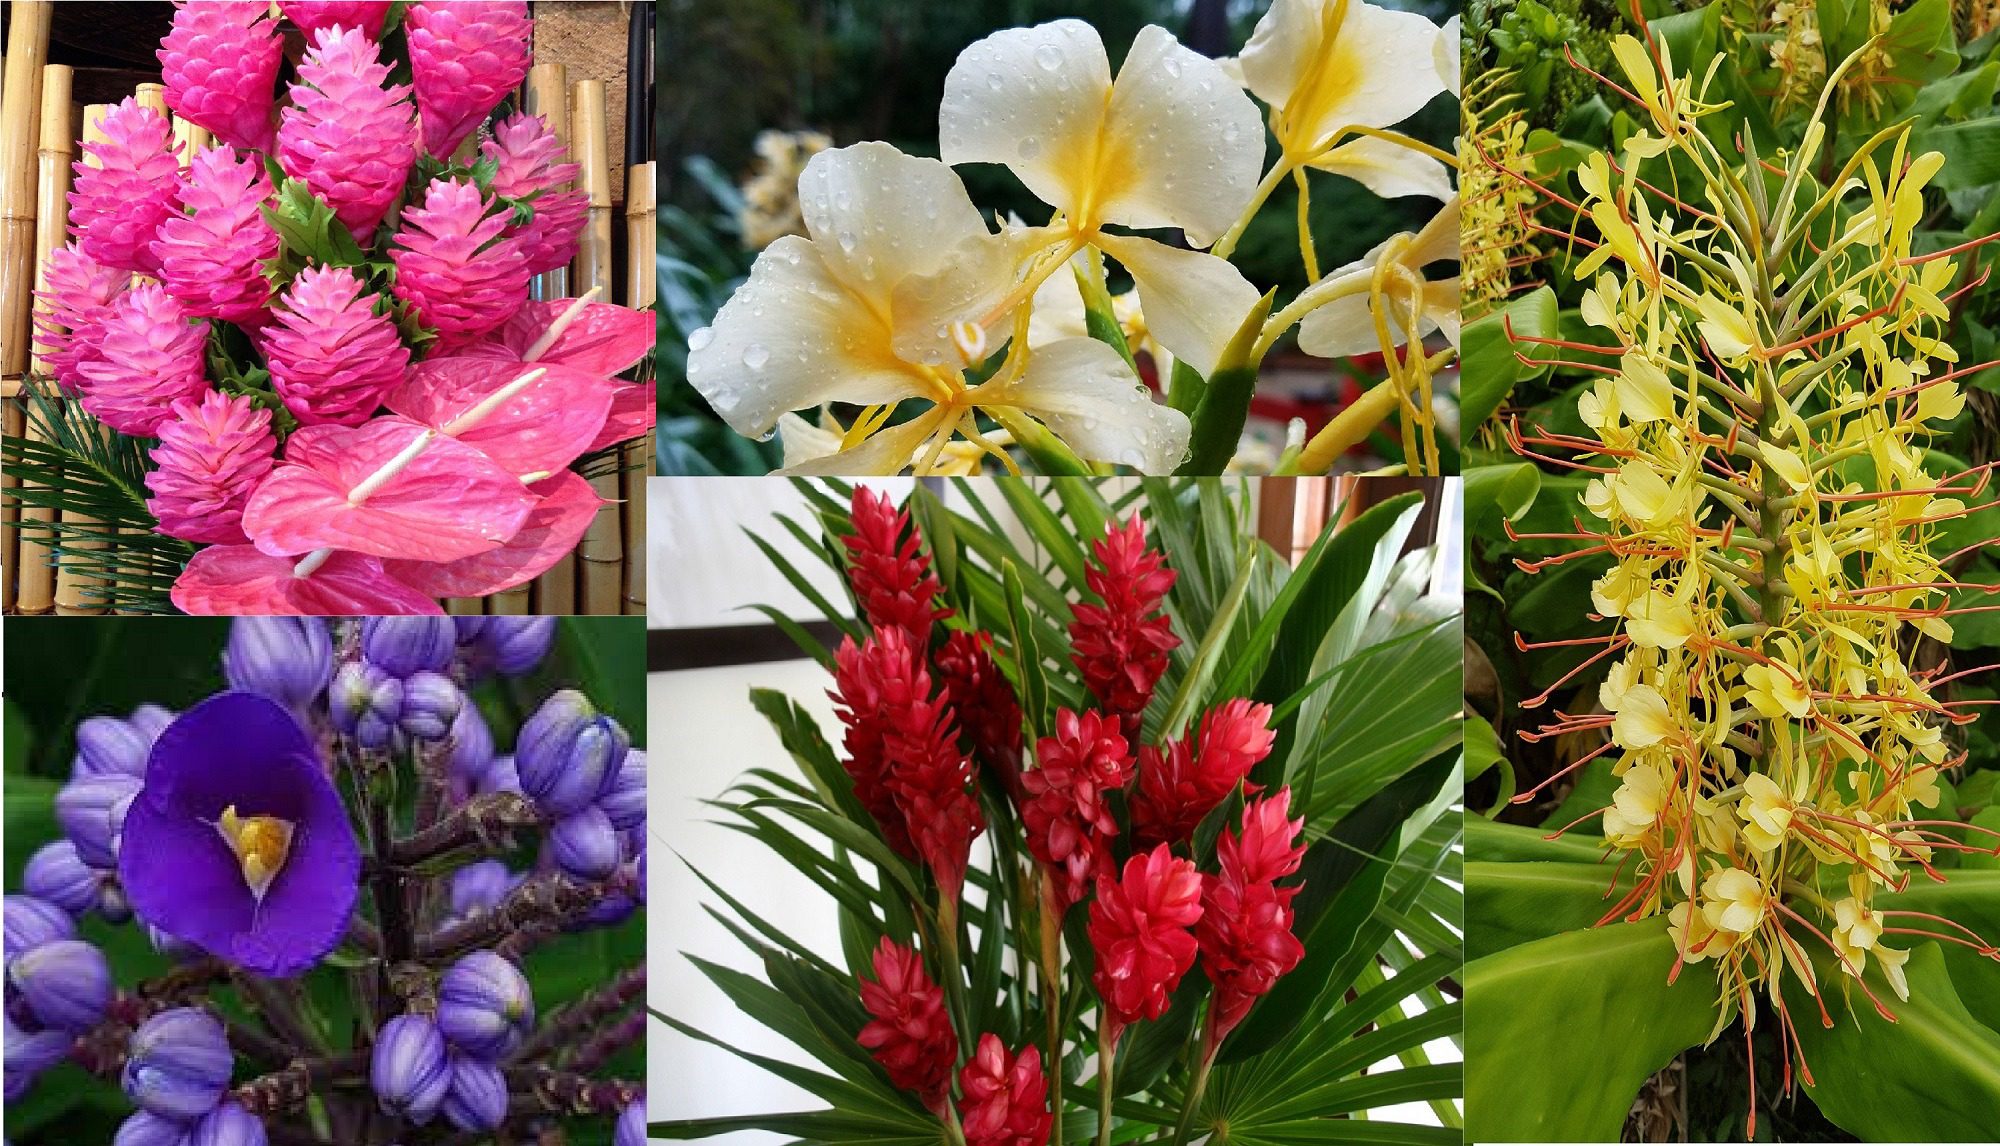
(888, 451)
(1726, 328)
(1642, 719)
(1645, 393)
(1786, 465)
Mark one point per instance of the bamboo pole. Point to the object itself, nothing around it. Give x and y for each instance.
(36, 575)
(20, 106)
(602, 551)
(642, 239)
(76, 593)
(554, 592)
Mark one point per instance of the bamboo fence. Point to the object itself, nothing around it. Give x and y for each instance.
(39, 132)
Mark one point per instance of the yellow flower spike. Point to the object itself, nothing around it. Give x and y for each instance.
(1735, 901)
(1766, 812)
(1642, 719)
(1636, 806)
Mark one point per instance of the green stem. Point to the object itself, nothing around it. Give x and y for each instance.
(954, 982)
(1107, 1052)
(1196, 1087)
(1052, 999)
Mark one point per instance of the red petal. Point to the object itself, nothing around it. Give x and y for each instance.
(540, 430)
(451, 502)
(237, 580)
(632, 411)
(603, 340)
(552, 530)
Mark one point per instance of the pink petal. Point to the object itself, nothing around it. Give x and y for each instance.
(604, 339)
(633, 409)
(451, 502)
(552, 530)
(237, 580)
(540, 430)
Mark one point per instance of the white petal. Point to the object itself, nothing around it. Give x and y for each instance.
(1446, 55)
(878, 215)
(1438, 240)
(1378, 68)
(804, 441)
(886, 452)
(1183, 146)
(1033, 99)
(1441, 300)
(971, 286)
(1389, 170)
(1087, 396)
(1194, 302)
(1341, 328)
(793, 336)
(1058, 312)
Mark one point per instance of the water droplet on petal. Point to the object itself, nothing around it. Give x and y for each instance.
(700, 339)
(1172, 64)
(1048, 57)
(755, 356)
(848, 241)
(1030, 147)
(994, 81)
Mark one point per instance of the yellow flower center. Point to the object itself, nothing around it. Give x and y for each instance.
(261, 844)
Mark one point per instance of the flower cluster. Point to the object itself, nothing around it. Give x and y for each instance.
(1761, 485)
(267, 796)
(899, 295)
(357, 407)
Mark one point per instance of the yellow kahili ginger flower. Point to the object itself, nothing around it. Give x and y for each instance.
(1497, 194)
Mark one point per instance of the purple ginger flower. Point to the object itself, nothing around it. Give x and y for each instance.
(585, 845)
(289, 659)
(471, 750)
(63, 985)
(480, 887)
(29, 1053)
(179, 1064)
(624, 796)
(227, 1125)
(477, 1099)
(32, 921)
(401, 646)
(485, 1007)
(631, 1128)
(91, 810)
(265, 869)
(431, 703)
(108, 744)
(148, 1129)
(410, 1071)
(56, 874)
(567, 752)
(509, 645)
(366, 702)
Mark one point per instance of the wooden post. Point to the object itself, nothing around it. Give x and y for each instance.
(548, 96)
(642, 240)
(36, 578)
(602, 551)
(74, 591)
(20, 107)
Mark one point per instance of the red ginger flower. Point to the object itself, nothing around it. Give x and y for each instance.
(350, 140)
(1067, 816)
(220, 63)
(332, 358)
(1121, 645)
(454, 267)
(1005, 1100)
(890, 575)
(874, 683)
(910, 1034)
(212, 260)
(1264, 851)
(210, 458)
(527, 155)
(117, 203)
(465, 57)
(312, 15)
(989, 717)
(1245, 933)
(148, 356)
(1139, 931)
(77, 293)
(1183, 782)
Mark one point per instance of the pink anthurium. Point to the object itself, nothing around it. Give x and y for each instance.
(554, 527)
(632, 409)
(238, 580)
(541, 428)
(596, 337)
(389, 487)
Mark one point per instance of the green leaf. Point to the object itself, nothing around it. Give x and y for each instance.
(1507, 904)
(1225, 401)
(1490, 370)
(1971, 152)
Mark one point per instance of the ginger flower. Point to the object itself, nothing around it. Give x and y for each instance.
(1184, 781)
(1329, 65)
(891, 576)
(1006, 1097)
(1139, 928)
(1066, 810)
(909, 1031)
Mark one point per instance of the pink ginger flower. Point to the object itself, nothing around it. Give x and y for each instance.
(313, 15)
(332, 357)
(1120, 646)
(78, 295)
(213, 259)
(454, 267)
(211, 455)
(465, 57)
(1266, 850)
(117, 204)
(1245, 933)
(1183, 782)
(345, 136)
(220, 62)
(1139, 930)
(148, 357)
(890, 573)
(527, 156)
(909, 1031)
(1005, 1097)
(1067, 815)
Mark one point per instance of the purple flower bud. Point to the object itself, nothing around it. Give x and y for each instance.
(112, 906)
(66, 984)
(485, 1006)
(365, 703)
(567, 752)
(289, 659)
(477, 1099)
(431, 702)
(170, 946)
(179, 1064)
(108, 744)
(91, 810)
(148, 1129)
(480, 887)
(29, 1053)
(469, 628)
(584, 844)
(624, 796)
(227, 1125)
(471, 745)
(639, 876)
(56, 874)
(32, 921)
(518, 644)
(400, 646)
(631, 1129)
(500, 776)
(410, 1073)
(609, 911)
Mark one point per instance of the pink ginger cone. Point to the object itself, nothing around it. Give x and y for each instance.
(211, 455)
(313, 15)
(213, 259)
(116, 205)
(349, 139)
(148, 357)
(527, 157)
(332, 358)
(79, 294)
(465, 56)
(454, 266)
(220, 63)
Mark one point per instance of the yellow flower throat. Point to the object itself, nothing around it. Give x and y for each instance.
(261, 844)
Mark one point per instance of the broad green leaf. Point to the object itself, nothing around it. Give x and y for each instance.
(1512, 903)
(1490, 369)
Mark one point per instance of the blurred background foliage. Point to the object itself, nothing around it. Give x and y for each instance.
(875, 69)
(59, 671)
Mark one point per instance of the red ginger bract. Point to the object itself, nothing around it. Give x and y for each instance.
(210, 458)
(911, 1033)
(332, 358)
(989, 717)
(527, 160)
(312, 15)
(874, 683)
(1139, 931)
(891, 576)
(1067, 816)
(465, 57)
(1245, 933)
(1120, 645)
(212, 260)
(118, 202)
(350, 140)
(454, 267)
(76, 296)
(1005, 1098)
(220, 63)
(1184, 781)
(148, 356)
